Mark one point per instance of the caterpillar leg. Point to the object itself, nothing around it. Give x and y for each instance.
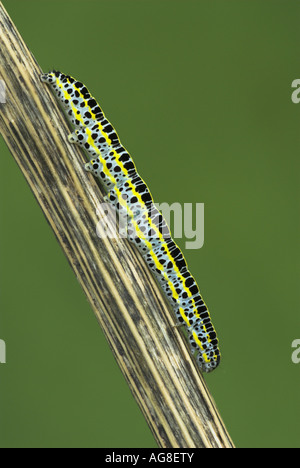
(86, 138)
(73, 138)
(89, 166)
(178, 325)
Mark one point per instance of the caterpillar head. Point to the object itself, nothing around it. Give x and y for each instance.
(50, 77)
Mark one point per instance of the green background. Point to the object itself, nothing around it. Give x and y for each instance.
(200, 94)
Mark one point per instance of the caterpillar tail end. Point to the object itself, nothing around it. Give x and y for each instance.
(208, 364)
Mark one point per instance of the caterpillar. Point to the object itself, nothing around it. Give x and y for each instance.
(146, 227)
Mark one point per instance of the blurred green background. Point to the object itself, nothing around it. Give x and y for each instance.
(200, 94)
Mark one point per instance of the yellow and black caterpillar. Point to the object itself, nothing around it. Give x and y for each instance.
(146, 227)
